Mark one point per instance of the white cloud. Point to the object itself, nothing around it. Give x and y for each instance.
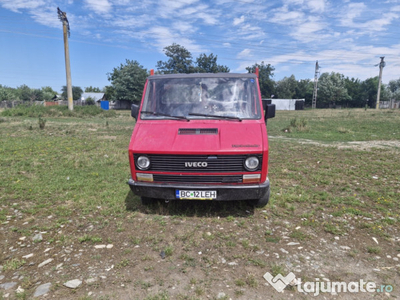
(99, 6)
(395, 8)
(293, 2)
(306, 32)
(208, 18)
(284, 16)
(244, 54)
(237, 21)
(183, 27)
(352, 11)
(312, 5)
(164, 37)
(16, 5)
(47, 18)
(127, 21)
(316, 5)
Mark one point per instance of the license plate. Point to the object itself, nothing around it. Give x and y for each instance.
(196, 195)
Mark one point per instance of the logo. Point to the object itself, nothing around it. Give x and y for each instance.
(326, 286)
(279, 282)
(196, 164)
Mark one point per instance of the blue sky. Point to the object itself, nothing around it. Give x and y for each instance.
(344, 36)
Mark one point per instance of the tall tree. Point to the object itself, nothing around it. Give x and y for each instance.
(332, 89)
(394, 89)
(109, 92)
(304, 90)
(180, 60)
(24, 92)
(48, 93)
(91, 89)
(208, 64)
(286, 88)
(36, 95)
(7, 93)
(354, 89)
(127, 81)
(265, 79)
(76, 92)
(370, 91)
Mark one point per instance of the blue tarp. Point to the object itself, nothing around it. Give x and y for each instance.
(105, 105)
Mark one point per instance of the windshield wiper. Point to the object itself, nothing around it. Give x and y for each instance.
(216, 116)
(154, 113)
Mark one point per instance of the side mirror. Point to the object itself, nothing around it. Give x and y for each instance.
(269, 111)
(134, 111)
(265, 102)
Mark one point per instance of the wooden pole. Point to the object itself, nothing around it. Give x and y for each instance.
(67, 67)
(381, 65)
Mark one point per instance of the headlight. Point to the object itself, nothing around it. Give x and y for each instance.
(251, 163)
(143, 162)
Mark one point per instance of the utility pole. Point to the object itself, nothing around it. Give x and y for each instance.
(66, 30)
(314, 98)
(381, 66)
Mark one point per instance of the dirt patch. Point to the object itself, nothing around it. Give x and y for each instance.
(108, 137)
(358, 145)
(170, 257)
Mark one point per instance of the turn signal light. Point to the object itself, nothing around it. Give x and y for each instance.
(251, 178)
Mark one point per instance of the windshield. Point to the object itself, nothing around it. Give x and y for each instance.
(201, 98)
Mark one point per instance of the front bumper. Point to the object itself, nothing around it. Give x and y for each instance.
(167, 191)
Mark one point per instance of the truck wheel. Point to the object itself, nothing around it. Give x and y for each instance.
(262, 201)
(146, 200)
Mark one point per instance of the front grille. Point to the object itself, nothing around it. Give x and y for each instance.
(196, 131)
(198, 178)
(215, 163)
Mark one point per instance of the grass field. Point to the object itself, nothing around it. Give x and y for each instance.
(335, 183)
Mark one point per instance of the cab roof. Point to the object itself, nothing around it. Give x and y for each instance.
(203, 75)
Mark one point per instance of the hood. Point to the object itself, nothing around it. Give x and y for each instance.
(197, 138)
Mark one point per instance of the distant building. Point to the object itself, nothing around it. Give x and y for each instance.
(392, 104)
(95, 96)
(288, 104)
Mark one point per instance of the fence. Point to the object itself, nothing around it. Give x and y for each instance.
(389, 104)
(113, 104)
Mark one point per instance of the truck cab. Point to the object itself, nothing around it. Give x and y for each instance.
(201, 136)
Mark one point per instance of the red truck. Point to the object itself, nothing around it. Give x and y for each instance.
(201, 136)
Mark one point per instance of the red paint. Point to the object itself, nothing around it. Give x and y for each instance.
(160, 136)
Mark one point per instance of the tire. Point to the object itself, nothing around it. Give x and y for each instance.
(262, 201)
(146, 200)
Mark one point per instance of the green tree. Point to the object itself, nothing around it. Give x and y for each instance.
(332, 89)
(265, 78)
(180, 60)
(394, 89)
(24, 92)
(109, 92)
(208, 64)
(370, 91)
(355, 91)
(48, 93)
(286, 88)
(91, 89)
(7, 93)
(36, 95)
(127, 81)
(304, 90)
(76, 92)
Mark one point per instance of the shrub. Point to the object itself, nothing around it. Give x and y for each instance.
(297, 124)
(42, 123)
(90, 101)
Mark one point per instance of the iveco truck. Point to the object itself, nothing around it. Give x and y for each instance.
(201, 137)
